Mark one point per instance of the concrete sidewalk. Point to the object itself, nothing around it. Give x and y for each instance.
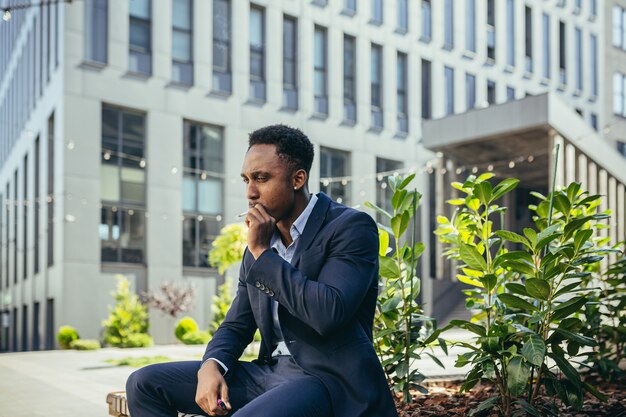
(72, 383)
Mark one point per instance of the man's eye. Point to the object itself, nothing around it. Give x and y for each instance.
(261, 179)
(245, 180)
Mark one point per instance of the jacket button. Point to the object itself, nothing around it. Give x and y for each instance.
(271, 293)
(262, 287)
(258, 284)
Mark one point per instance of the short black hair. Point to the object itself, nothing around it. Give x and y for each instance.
(291, 144)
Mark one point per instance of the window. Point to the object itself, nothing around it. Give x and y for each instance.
(491, 92)
(140, 42)
(562, 62)
(182, 35)
(546, 46)
(203, 190)
(349, 78)
(377, 12)
(290, 63)
(222, 78)
(594, 121)
(593, 9)
(470, 25)
(448, 42)
(528, 39)
(25, 197)
(618, 26)
(383, 192)
(96, 30)
(491, 30)
(122, 192)
(7, 247)
(349, 6)
(510, 93)
(24, 327)
(50, 197)
(402, 14)
(402, 95)
(619, 94)
(470, 91)
(36, 199)
(578, 5)
(320, 71)
(36, 334)
(593, 46)
(449, 85)
(50, 324)
(578, 39)
(426, 21)
(334, 167)
(257, 54)
(15, 242)
(376, 86)
(426, 90)
(510, 34)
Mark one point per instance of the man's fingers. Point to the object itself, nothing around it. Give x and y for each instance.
(224, 396)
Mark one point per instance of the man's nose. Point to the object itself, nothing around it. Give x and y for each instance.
(252, 192)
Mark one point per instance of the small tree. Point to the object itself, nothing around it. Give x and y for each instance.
(525, 298)
(127, 319)
(229, 246)
(172, 299)
(399, 318)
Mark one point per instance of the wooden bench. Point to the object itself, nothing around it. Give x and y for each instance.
(118, 406)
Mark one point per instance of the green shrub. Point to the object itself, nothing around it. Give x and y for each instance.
(229, 246)
(85, 344)
(221, 304)
(66, 335)
(184, 326)
(137, 340)
(129, 317)
(195, 337)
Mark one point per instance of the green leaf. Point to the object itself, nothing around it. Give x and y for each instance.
(534, 350)
(518, 372)
(504, 187)
(512, 237)
(469, 254)
(456, 201)
(595, 392)
(383, 242)
(562, 204)
(568, 370)
(538, 288)
(489, 281)
(377, 209)
(436, 359)
(485, 176)
(566, 289)
(406, 181)
(482, 191)
(399, 223)
(474, 328)
(574, 337)
(547, 235)
(488, 404)
(514, 301)
(531, 235)
(469, 281)
(581, 237)
(390, 304)
(388, 268)
(398, 198)
(569, 307)
(516, 288)
(572, 190)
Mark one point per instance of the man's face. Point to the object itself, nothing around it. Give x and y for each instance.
(268, 180)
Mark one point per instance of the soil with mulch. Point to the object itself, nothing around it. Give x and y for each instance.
(444, 400)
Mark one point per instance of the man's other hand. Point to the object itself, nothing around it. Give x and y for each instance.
(261, 227)
(211, 386)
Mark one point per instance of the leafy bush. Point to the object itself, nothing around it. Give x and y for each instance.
(229, 246)
(85, 344)
(173, 298)
(221, 304)
(605, 321)
(66, 335)
(128, 318)
(184, 326)
(195, 337)
(137, 340)
(525, 298)
(398, 320)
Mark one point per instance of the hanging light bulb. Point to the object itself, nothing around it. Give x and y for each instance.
(6, 16)
(490, 168)
(142, 163)
(511, 164)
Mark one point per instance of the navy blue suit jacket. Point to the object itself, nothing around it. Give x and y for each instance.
(327, 298)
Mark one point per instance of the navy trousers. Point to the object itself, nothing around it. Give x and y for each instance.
(282, 389)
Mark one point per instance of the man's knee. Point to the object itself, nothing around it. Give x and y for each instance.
(140, 380)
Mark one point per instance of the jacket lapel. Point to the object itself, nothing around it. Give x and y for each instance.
(313, 226)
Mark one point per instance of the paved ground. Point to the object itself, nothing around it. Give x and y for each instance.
(72, 383)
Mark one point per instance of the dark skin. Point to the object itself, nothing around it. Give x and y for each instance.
(277, 194)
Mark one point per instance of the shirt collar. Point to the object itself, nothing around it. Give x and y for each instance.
(297, 228)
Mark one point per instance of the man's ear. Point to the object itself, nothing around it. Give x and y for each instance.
(300, 178)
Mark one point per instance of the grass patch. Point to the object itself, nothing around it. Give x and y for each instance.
(138, 362)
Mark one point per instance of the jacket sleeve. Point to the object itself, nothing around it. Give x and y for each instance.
(237, 329)
(330, 301)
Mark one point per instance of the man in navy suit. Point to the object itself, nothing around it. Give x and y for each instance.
(308, 282)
